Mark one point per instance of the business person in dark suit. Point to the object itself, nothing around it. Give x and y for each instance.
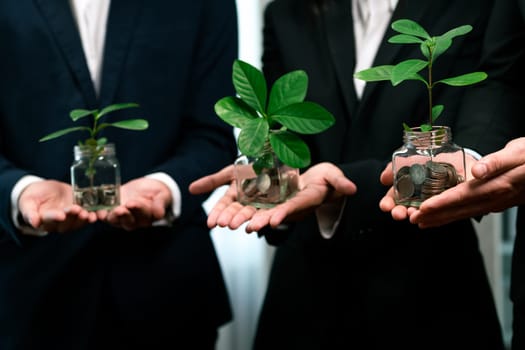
(376, 283)
(147, 275)
(498, 179)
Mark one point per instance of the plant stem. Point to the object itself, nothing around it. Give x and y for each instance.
(430, 85)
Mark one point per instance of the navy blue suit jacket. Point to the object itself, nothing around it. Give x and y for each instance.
(174, 59)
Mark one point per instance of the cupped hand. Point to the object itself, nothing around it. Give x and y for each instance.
(142, 202)
(499, 184)
(226, 212)
(401, 212)
(48, 206)
(322, 183)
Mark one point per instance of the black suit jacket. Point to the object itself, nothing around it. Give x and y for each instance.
(502, 97)
(174, 59)
(377, 283)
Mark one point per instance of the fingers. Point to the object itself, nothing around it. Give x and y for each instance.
(513, 155)
(229, 197)
(211, 182)
(341, 184)
(136, 214)
(158, 207)
(67, 220)
(305, 201)
(463, 194)
(387, 203)
(121, 217)
(29, 211)
(387, 175)
(262, 219)
(235, 215)
(398, 212)
(465, 200)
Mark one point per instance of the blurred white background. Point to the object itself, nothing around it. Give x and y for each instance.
(245, 258)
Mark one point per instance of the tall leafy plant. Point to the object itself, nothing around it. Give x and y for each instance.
(272, 119)
(431, 47)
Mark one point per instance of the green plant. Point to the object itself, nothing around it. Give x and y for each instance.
(97, 144)
(431, 47)
(96, 126)
(272, 120)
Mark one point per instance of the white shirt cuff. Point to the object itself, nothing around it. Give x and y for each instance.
(15, 195)
(328, 217)
(175, 195)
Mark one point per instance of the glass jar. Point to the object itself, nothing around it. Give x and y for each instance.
(427, 164)
(264, 181)
(95, 177)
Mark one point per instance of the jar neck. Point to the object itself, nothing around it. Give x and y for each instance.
(438, 136)
(86, 151)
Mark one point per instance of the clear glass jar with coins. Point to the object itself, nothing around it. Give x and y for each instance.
(95, 177)
(428, 163)
(264, 181)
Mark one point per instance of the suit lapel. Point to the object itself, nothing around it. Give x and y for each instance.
(340, 37)
(121, 25)
(59, 18)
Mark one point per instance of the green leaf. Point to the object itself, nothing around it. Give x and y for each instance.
(426, 46)
(253, 136)
(234, 111)
(130, 124)
(405, 39)
(436, 111)
(288, 89)
(266, 161)
(116, 107)
(304, 117)
(378, 73)
(406, 127)
(63, 132)
(250, 85)
(443, 42)
(461, 30)
(465, 79)
(77, 114)
(102, 141)
(409, 27)
(407, 70)
(426, 127)
(441, 45)
(290, 149)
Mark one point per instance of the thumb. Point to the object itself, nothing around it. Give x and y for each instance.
(29, 211)
(341, 184)
(160, 202)
(387, 175)
(211, 182)
(513, 155)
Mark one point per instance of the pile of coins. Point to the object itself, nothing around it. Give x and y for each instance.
(268, 188)
(425, 180)
(256, 185)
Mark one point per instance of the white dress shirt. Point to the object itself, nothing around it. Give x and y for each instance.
(91, 17)
(370, 19)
